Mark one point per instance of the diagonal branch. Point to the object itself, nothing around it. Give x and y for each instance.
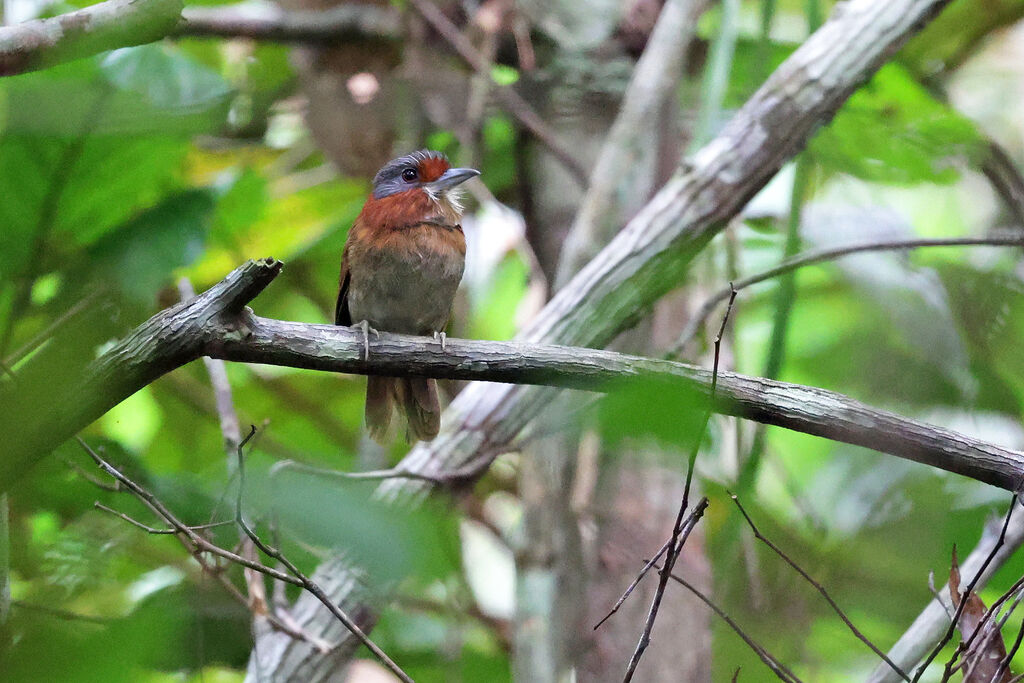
(108, 25)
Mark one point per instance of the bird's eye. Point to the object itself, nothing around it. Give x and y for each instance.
(409, 175)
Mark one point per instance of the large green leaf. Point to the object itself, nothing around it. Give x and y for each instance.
(893, 131)
(139, 257)
(87, 145)
(150, 89)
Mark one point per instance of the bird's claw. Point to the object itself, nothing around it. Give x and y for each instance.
(441, 337)
(364, 325)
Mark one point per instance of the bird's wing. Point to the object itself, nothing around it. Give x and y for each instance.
(342, 316)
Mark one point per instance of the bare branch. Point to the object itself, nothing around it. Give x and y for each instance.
(680, 532)
(821, 589)
(182, 530)
(632, 586)
(304, 580)
(469, 472)
(954, 622)
(777, 667)
(831, 254)
(43, 43)
(935, 618)
(197, 544)
(268, 22)
(682, 528)
(166, 341)
(151, 530)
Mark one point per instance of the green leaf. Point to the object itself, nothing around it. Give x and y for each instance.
(893, 131)
(670, 413)
(141, 256)
(71, 192)
(388, 542)
(151, 89)
(168, 81)
(239, 207)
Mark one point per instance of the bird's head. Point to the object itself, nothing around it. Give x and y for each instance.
(423, 174)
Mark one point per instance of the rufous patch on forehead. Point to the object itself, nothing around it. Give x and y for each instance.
(432, 167)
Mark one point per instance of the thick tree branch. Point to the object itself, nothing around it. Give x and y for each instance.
(216, 323)
(801, 408)
(42, 43)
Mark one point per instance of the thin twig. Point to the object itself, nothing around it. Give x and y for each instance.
(828, 254)
(991, 629)
(114, 487)
(643, 572)
(468, 472)
(198, 544)
(152, 530)
(775, 665)
(184, 532)
(821, 589)
(963, 599)
(682, 528)
(1005, 663)
(680, 532)
(282, 625)
(304, 580)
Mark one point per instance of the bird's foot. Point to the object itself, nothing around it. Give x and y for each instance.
(441, 337)
(364, 325)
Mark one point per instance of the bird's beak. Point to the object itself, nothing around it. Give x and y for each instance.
(451, 178)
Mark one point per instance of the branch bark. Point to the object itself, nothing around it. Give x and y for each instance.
(217, 324)
(43, 43)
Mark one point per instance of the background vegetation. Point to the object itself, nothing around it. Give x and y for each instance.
(123, 172)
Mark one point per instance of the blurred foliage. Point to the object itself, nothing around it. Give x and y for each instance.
(125, 172)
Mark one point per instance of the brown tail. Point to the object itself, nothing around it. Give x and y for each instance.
(379, 399)
(417, 395)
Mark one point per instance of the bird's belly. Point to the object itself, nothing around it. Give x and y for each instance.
(410, 292)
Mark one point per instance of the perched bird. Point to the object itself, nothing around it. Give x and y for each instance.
(401, 266)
